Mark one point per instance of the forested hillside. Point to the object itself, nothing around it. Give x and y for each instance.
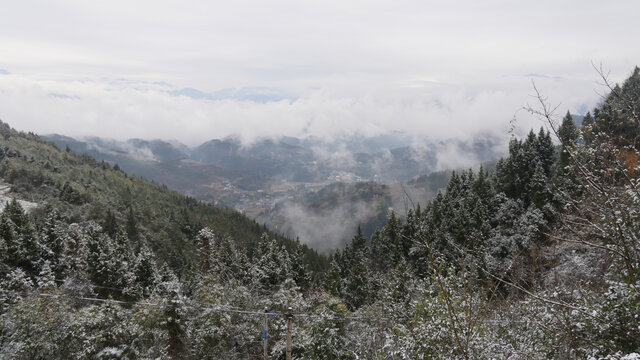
(537, 259)
(78, 189)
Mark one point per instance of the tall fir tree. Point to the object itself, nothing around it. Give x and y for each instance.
(568, 133)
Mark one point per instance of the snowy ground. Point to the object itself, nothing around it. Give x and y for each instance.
(5, 199)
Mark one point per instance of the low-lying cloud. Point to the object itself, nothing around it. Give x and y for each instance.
(125, 109)
(325, 230)
(115, 148)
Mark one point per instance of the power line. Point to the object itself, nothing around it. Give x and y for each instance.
(216, 309)
(235, 310)
(207, 307)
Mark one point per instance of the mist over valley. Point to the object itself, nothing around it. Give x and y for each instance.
(309, 188)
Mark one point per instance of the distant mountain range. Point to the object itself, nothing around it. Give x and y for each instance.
(251, 93)
(295, 160)
(265, 179)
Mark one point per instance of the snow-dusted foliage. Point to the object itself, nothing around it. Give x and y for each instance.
(539, 259)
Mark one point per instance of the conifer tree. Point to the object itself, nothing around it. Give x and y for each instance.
(568, 133)
(20, 240)
(273, 265)
(409, 228)
(205, 243)
(357, 284)
(358, 243)
(546, 151)
(333, 279)
(174, 319)
(74, 263)
(397, 287)
(538, 187)
(392, 245)
(131, 227)
(46, 278)
(377, 253)
(299, 268)
(618, 116)
(110, 224)
(145, 271)
(52, 242)
(482, 185)
(229, 262)
(587, 127)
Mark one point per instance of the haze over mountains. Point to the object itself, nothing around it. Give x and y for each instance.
(264, 179)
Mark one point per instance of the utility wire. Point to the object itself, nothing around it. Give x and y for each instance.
(217, 309)
(205, 306)
(229, 309)
(222, 309)
(124, 302)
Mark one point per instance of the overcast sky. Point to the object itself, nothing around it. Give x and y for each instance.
(442, 69)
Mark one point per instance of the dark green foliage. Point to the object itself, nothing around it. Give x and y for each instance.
(356, 287)
(110, 224)
(587, 128)
(587, 120)
(495, 216)
(359, 243)
(515, 173)
(204, 243)
(273, 264)
(568, 133)
(68, 194)
(332, 280)
(131, 227)
(52, 241)
(300, 271)
(387, 246)
(18, 239)
(175, 324)
(618, 115)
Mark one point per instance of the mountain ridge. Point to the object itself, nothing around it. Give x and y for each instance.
(262, 179)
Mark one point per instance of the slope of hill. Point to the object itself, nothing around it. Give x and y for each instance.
(82, 189)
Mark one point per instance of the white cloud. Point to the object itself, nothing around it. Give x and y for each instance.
(124, 109)
(336, 223)
(436, 68)
(112, 147)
